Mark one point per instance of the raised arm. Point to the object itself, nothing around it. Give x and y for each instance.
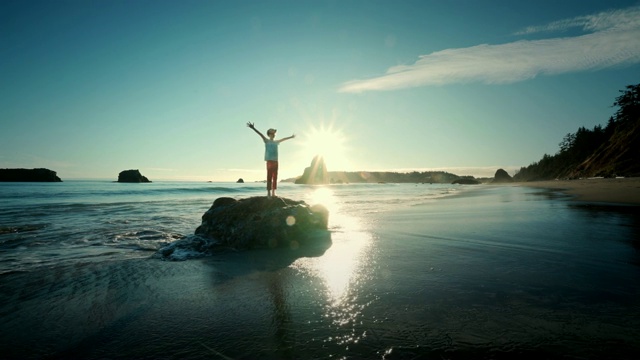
(252, 127)
(287, 138)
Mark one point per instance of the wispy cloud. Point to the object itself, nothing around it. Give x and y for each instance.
(624, 18)
(613, 39)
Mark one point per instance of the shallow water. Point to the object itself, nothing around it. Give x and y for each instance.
(483, 272)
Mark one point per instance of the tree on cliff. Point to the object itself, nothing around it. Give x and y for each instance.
(629, 104)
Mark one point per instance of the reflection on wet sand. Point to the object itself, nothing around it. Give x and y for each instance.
(342, 264)
(281, 319)
(335, 274)
(342, 269)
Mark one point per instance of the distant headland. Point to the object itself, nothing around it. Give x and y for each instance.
(28, 175)
(317, 174)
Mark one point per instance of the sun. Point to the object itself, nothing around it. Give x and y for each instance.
(327, 142)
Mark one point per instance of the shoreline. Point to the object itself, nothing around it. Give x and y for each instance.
(623, 191)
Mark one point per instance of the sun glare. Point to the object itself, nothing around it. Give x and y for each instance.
(329, 143)
(324, 196)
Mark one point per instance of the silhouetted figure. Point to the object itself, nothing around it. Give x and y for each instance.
(271, 157)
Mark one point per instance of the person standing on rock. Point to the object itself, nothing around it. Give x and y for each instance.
(271, 157)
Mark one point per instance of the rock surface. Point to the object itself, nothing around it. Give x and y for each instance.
(132, 176)
(255, 223)
(29, 175)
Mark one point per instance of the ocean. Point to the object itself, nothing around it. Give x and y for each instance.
(414, 271)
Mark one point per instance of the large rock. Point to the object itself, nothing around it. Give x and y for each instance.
(29, 175)
(502, 176)
(314, 174)
(132, 176)
(255, 223)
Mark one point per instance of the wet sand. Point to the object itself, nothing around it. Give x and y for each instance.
(497, 272)
(615, 191)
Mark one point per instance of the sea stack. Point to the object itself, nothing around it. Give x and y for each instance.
(502, 176)
(314, 174)
(132, 176)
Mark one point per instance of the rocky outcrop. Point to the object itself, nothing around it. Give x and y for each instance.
(240, 181)
(501, 176)
(29, 175)
(314, 174)
(255, 223)
(132, 176)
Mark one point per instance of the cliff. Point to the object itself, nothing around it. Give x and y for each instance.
(618, 155)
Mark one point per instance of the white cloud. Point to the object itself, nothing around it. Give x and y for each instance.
(614, 41)
(624, 18)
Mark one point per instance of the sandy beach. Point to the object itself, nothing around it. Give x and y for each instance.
(618, 190)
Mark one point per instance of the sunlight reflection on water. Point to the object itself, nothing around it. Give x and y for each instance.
(343, 269)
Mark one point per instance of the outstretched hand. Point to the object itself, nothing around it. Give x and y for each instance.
(250, 125)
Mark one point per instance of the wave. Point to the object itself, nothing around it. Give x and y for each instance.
(100, 190)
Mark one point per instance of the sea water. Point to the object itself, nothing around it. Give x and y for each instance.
(414, 271)
(43, 224)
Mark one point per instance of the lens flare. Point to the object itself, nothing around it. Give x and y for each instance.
(327, 142)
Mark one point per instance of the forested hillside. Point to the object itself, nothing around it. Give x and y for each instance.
(610, 151)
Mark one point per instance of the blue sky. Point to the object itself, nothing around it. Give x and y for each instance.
(90, 88)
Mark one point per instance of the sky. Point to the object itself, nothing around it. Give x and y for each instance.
(89, 88)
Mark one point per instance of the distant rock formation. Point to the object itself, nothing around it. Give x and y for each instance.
(254, 223)
(466, 181)
(29, 175)
(240, 181)
(371, 177)
(132, 176)
(314, 174)
(501, 176)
